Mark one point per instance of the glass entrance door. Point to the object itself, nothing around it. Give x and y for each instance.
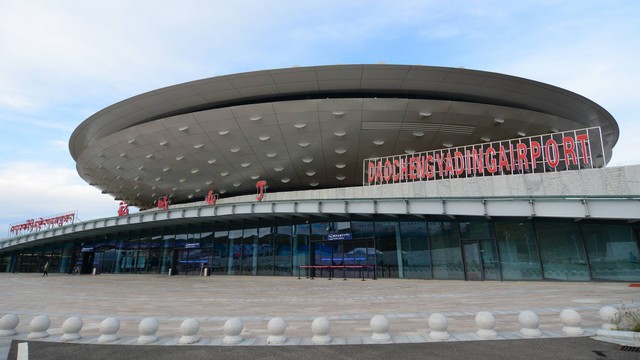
(343, 259)
(472, 261)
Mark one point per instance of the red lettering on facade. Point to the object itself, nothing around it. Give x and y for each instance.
(261, 186)
(123, 209)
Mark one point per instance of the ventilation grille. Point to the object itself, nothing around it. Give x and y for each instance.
(409, 126)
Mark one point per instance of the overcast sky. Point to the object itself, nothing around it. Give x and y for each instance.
(62, 61)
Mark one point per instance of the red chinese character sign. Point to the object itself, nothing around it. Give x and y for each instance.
(261, 186)
(211, 198)
(163, 203)
(123, 209)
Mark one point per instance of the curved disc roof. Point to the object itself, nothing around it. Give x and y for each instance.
(307, 127)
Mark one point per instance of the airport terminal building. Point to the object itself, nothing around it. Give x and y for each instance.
(349, 171)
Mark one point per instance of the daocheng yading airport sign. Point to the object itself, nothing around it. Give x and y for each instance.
(570, 150)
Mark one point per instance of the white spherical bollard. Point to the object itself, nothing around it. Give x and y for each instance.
(147, 330)
(320, 328)
(438, 324)
(109, 330)
(232, 330)
(189, 330)
(610, 317)
(8, 324)
(380, 327)
(572, 322)
(38, 327)
(71, 329)
(276, 328)
(529, 322)
(486, 323)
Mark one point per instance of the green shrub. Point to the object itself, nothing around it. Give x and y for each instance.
(630, 317)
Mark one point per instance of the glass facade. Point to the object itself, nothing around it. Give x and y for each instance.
(402, 247)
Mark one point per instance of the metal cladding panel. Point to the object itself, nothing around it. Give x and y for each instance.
(284, 208)
(509, 208)
(433, 207)
(191, 212)
(134, 219)
(392, 207)
(262, 208)
(362, 207)
(469, 207)
(614, 209)
(242, 209)
(207, 211)
(225, 210)
(337, 207)
(566, 209)
(307, 207)
(175, 214)
(111, 222)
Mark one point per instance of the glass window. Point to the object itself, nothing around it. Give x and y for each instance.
(472, 230)
(282, 252)
(301, 236)
(489, 260)
(235, 252)
(265, 251)
(562, 251)
(388, 248)
(416, 259)
(446, 254)
(613, 252)
(518, 251)
(220, 253)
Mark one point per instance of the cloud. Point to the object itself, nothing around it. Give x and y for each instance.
(35, 189)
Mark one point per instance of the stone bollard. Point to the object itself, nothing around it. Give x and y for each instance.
(438, 324)
(486, 323)
(276, 328)
(71, 329)
(530, 323)
(8, 324)
(189, 330)
(320, 328)
(610, 317)
(147, 330)
(380, 327)
(38, 327)
(572, 322)
(232, 329)
(109, 330)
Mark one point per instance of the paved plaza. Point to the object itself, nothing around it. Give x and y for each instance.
(348, 304)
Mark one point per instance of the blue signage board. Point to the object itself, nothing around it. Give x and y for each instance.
(87, 249)
(192, 245)
(339, 236)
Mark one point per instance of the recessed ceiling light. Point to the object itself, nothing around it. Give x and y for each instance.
(179, 157)
(222, 191)
(224, 173)
(521, 133)
(197, 190)
(153, 188)
(211, 161)
(255, 177)
(340, 151)
(137, 178)
(272, 154)
(141, 167)
(194, 171)
(209, 182)
(135, 187)
(255, 117)
(279, 168)
(310, 172)
(149, 156)
(264, 137)
(554, 130)
(246, 164)
(190, 196)
(123, 155)
(304, 144)
(307, 159)
(299, 126)
(447, 144)
(236, 184)
(153, 195)
(314, 184)
(340, 133)
(285, 180)
(101, 155)
(198, 146)
(424, 114)
(119, 167)
(166, 168)
(409, 151)
(341, 165)
(163, 143)
(340, 177)
(498, 121)
(158, 178)
(174, 188)
(234, 150)
(338, 113)
(223, 132)
(485, 138)
(418, 133)
(131, 141)
(378, 142)
(182, 180)
(183, 128)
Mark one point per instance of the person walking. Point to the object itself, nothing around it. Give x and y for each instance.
(45, 269)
